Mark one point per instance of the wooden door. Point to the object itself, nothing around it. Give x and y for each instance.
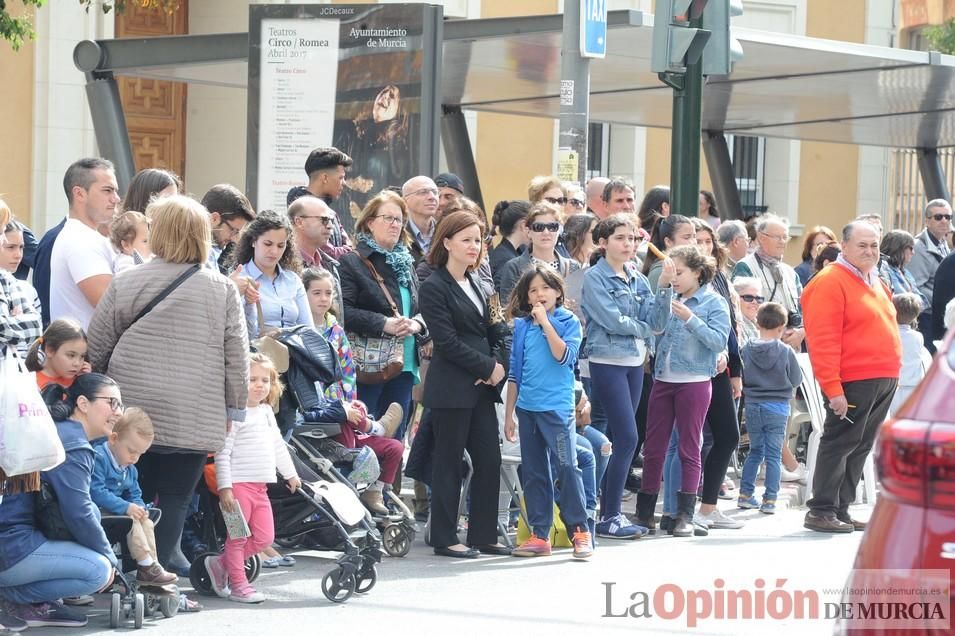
(155, 109)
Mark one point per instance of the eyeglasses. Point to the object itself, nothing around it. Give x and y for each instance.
(749, 298)
(942, 217)
(325, 220)
(390, 220)
(556, 200)
(577, 203)
(545, 227)
(114, 403)
(779, 239)
(423, 192)
(233, 232)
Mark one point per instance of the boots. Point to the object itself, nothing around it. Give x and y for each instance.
(646, 504)
(374, 501)
(683, 522)
(392, 419)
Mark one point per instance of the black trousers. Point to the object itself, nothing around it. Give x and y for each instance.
(457, 430)
(844, 446)
(172, 478)
(721, 418)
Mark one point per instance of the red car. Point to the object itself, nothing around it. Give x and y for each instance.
(913, 523)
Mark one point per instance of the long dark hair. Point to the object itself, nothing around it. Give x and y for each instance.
(664, 228)
(147, 184)
(266, 221)
(507, 214)
(62, 402)
(719, 254)
(711, 201)
(59, 332)
(605, 229)
(517, 306)
(652, 206)
(576, 230)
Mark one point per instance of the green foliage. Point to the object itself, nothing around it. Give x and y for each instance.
(942, 36)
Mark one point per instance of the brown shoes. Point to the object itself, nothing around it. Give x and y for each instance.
(374, 501)
(154, 575)
(392, 419)
(826, 523)
(856, 524)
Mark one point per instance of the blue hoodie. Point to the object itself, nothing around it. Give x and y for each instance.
(71, 483)
(545, 384)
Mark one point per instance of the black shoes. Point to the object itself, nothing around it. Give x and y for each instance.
(496, 550)
(826, 523)
(470, 553)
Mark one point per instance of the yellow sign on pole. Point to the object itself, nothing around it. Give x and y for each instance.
(567, 163)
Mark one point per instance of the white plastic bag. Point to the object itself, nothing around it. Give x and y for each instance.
(28, 437)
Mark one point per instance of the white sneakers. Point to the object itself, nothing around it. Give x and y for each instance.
(718, 521)
(793, 475)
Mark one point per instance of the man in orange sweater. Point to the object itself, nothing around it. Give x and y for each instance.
(856, 356)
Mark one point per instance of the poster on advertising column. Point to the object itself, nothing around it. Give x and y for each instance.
(361, 78)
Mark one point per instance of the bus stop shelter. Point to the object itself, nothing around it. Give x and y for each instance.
(786, 86)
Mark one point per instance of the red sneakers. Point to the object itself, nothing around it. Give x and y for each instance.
(583, 547)
(533, 547)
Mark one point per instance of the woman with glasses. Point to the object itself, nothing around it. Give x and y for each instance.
(183, 359)
(37, 566)
(381, 261)
(750, 293)
(266, 251)
(544, 229)
(575, 201)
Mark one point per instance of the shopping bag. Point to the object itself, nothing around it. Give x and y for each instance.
(558, 532)
(28, 437)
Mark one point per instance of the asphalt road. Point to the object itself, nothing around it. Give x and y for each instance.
(425, 594)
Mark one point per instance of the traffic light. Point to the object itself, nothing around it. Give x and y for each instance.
(723, 49)
(675, 42)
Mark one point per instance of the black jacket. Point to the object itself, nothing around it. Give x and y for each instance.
(462, 346)
(366, 307)
(942, 292)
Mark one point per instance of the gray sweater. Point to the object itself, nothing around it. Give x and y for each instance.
(771, 372)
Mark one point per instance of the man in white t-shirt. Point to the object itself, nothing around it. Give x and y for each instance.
(81, 265)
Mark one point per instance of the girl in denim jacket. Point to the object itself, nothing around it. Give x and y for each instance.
(621, 314)
(686, 359)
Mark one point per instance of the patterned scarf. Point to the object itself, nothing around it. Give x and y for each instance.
(398, 258)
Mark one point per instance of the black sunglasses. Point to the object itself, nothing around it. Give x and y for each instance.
(556, 200)
(942, 217)
(541, 227)
(749, 298)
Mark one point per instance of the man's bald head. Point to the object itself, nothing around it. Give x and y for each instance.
(595, 191)
(421, 196)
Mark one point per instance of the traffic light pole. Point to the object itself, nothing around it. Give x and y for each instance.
(686, 131)
(574, 91)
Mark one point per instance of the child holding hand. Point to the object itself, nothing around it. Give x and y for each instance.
(253, 451)
(115, 489)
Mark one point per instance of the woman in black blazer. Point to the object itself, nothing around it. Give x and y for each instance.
(461, 389)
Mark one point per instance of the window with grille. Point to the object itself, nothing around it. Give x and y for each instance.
(598, 150)
(749, 157)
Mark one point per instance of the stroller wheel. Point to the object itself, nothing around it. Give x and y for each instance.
(115, 606)
(366, 580)
(396, 541)
(198, 575)
(253, 566)
(169, 606)
(337, 586)
(139, 610)
(152, 604)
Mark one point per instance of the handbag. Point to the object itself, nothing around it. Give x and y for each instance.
(499, 333)
(48, 516)
(28, 438)
(378, 358)
(267, 343)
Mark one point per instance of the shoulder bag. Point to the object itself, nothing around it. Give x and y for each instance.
(378, 358)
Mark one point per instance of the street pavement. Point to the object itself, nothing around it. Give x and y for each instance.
(425, 594)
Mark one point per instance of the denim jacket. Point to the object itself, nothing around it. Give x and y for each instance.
(114, 487)
(621, 315)
(693, 346)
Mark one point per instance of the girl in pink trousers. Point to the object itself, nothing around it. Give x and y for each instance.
(253, 451)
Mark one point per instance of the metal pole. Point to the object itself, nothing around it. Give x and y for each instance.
(574, 91)
(109, 125)
(457, 149)
(685, 157)
(933, 176)
(721, 174)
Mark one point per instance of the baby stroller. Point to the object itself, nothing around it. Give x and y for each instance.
(308, 517)
(312, 359)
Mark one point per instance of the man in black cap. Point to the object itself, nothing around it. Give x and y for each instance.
(450, 187)
(325, 168)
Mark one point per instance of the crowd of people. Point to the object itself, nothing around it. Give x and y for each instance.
(586, 331)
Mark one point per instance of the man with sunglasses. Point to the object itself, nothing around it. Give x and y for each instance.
(229, 211)
(326, 168)
(931, 246)
(312, 221)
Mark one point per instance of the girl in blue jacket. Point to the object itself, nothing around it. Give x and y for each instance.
(36, 570)
(541, 386)
(622, 314)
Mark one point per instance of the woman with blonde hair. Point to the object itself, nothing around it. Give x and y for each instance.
(172, 333)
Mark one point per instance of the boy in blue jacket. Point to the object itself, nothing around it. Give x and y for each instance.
(115, 489)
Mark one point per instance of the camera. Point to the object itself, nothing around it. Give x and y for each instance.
(794, 321)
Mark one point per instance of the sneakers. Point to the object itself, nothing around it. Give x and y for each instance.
(50, 614)
(534, 547)
(218, 577)
(278, 561)
(747, 502)
(583, 548)
(248, 595)
(799, 474)
(78, 601)
(619, 527)
(768, 507)
(374, 501)
(154, 575)
(700, 520)
(10, 623)
(719, 521)
(392, 419)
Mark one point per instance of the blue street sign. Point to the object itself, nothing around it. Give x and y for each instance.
(593, 28)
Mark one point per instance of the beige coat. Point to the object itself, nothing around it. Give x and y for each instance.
(186, 362)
